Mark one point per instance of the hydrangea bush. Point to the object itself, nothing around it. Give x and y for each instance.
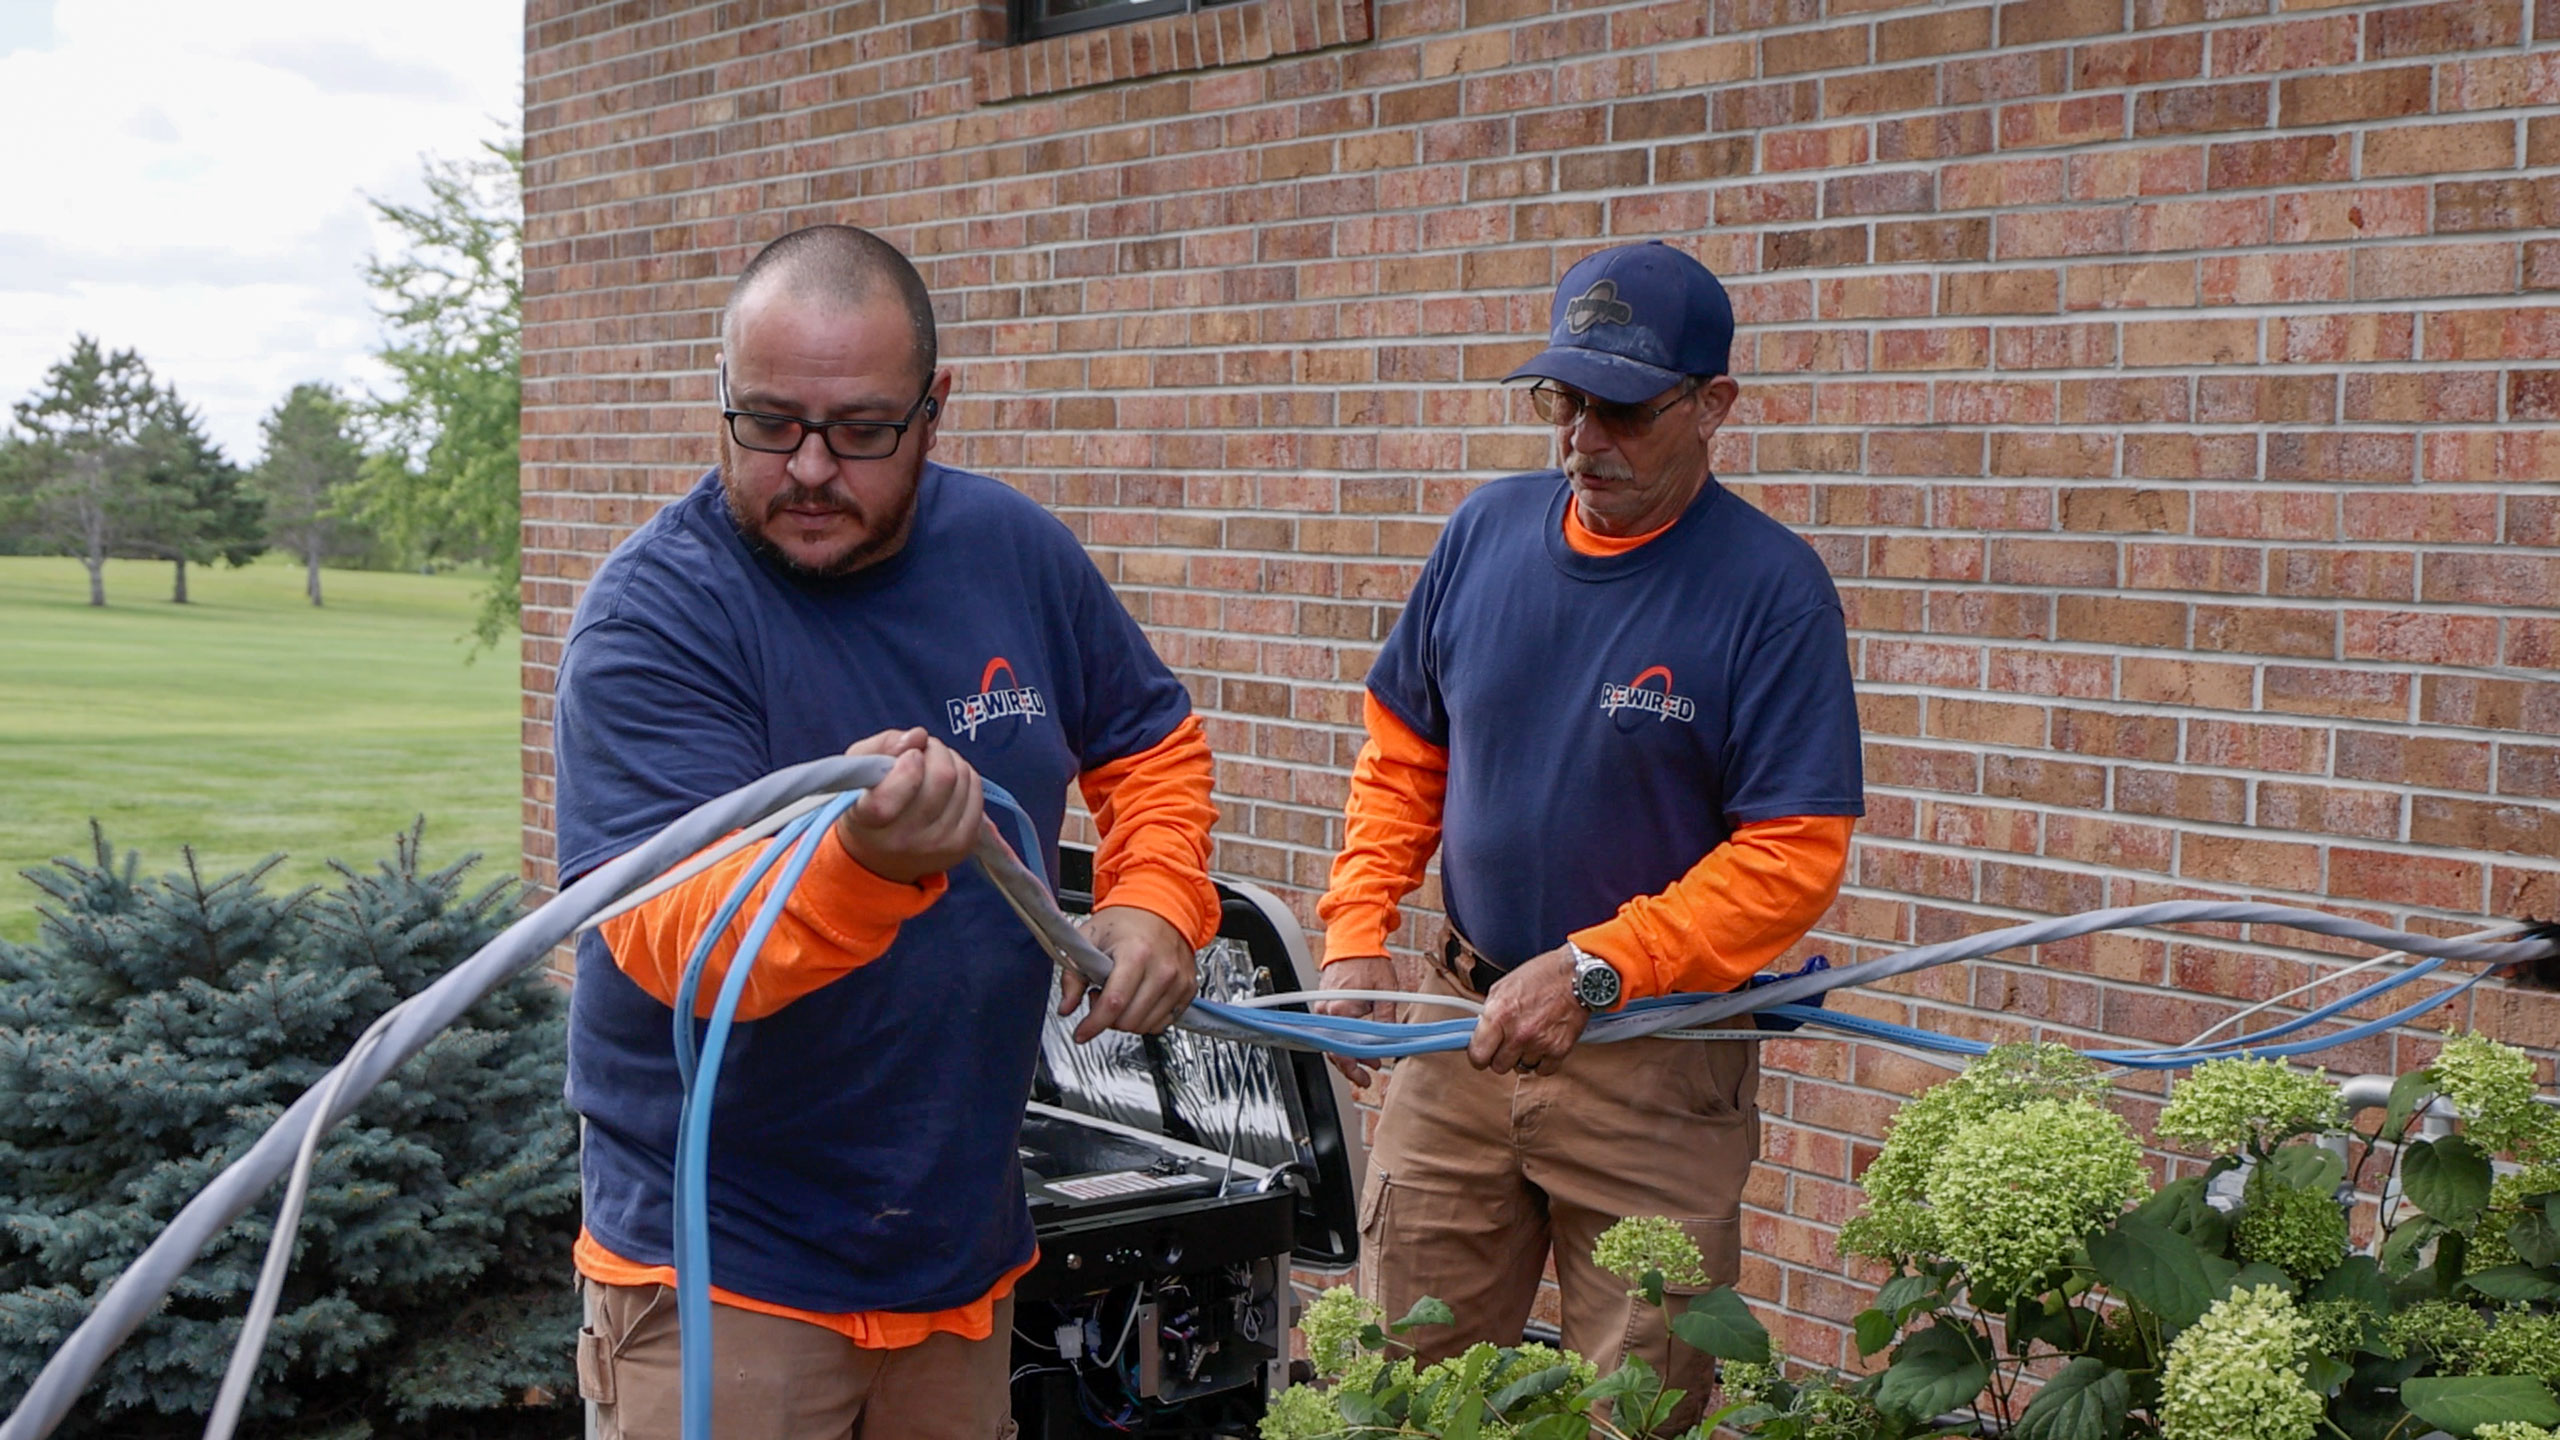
(2043, 1289)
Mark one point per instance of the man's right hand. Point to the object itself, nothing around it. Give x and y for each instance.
(923, 816)
(1360, 972)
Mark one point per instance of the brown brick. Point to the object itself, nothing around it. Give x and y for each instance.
(2358, 95)
(1947, 32)
(1668, 118)
(2267, 630)
(2124, 509)
(1838, 48)
(2038, 22)
(2503, 828)
(2398, 31)
(2122, 737)
(2181, 795)
(2199, 109)
(1905, 242)
(2347, 694)
(2263, 864)
(1801, 249)
(2440, 149)
(2121, 620)
(2187, 682)
(2043, 781)
(2288, 161)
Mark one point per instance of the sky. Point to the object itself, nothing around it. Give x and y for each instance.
(188, 178)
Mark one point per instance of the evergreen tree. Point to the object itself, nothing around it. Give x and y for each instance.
(312, 459)
(442, 484)
(78, 477)
(148, 1037)
(208, 514)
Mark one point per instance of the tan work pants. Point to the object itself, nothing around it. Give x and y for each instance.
(782, 1379)
(1475, 1177)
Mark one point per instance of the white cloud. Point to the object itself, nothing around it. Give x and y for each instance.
(189, 179)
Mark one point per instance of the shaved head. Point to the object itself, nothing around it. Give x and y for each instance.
(839, 266)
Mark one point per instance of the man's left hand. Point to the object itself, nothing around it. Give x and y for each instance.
(1153, 974)
(1531, 1020)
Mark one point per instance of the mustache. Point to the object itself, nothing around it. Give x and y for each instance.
(801, 499)
(1597, 467)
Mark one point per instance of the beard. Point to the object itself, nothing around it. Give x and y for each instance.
(885, 538)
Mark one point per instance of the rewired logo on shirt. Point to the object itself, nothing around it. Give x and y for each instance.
(967, 712)
(1629, 704)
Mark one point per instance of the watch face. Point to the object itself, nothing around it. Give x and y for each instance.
(1596, 987)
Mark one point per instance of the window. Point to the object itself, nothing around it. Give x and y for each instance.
(1040, 19)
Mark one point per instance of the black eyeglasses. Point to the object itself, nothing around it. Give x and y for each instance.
(1567, 408)
(844, 439)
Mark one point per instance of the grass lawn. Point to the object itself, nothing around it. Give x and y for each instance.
(247, 722)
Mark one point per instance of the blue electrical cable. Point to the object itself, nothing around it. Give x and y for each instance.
(699, 1074)
(1359, 1038)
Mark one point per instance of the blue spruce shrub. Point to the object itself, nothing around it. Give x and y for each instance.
(153, 1031)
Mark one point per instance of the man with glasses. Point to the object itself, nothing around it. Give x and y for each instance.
(828, 587)
(1618, 705)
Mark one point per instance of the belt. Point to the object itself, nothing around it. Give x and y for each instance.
(1467, 965)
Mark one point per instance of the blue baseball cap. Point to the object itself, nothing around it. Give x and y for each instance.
(1632, 322)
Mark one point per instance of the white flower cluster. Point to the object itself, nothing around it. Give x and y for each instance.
(2013, 1194)
(1649, 1242)
(1897, 1224)
(2237, 1373)
(2228, 1105)
(2493, 1085)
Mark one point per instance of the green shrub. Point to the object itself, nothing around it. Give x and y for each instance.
(148, 1037)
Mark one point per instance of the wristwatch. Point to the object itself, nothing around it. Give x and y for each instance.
(1595, 981)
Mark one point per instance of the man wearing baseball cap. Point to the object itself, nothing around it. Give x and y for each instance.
(1618, 705)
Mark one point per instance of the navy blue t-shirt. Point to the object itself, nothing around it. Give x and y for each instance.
(1610, 719)
(863, 1140)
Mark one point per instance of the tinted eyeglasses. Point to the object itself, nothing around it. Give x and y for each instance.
(844, 439)
(1567, 408)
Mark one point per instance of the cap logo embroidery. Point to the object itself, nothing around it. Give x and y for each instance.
(1598, 305)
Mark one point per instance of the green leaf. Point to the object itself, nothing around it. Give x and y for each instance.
(1651, 1283)
(2514, 1283)
(2180, 1207)
(1633, 1378)
(2325, 1375)
(1463, 1424)
(1874, 1330)
(2087, 1401)
(1905, 1293)
(2257, 1273)
(2355, 1278)
(2534, 1241)
(1373, 1337)
(2159, 1269)
(1531, 1386)
(1426, 1311)
(1556, 1427)
(2407, 1093)
(2400, 1252)
(1720, 1324)
(1934, 1371)
(2447, 1178)
(2307, 1166)
(2463, 1404)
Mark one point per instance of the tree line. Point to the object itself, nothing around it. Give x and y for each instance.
(105, 461)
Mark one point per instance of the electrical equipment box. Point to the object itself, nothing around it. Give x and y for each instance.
(1176, 1181)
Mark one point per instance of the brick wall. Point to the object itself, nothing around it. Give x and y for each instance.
(2170, 385)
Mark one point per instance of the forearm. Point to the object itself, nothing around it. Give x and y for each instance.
(1391, 826)
(840, 918)
(1154, 812)
(1736, 910)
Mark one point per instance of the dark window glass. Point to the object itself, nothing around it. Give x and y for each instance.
(1039, 19)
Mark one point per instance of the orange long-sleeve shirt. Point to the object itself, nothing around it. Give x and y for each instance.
(1738, 908)
(1154, 814)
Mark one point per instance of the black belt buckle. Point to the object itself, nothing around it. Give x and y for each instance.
(1481, 973)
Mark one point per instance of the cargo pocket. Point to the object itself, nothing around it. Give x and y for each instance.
(595, 1366)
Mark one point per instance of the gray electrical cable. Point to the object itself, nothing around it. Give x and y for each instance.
(406, 1028)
